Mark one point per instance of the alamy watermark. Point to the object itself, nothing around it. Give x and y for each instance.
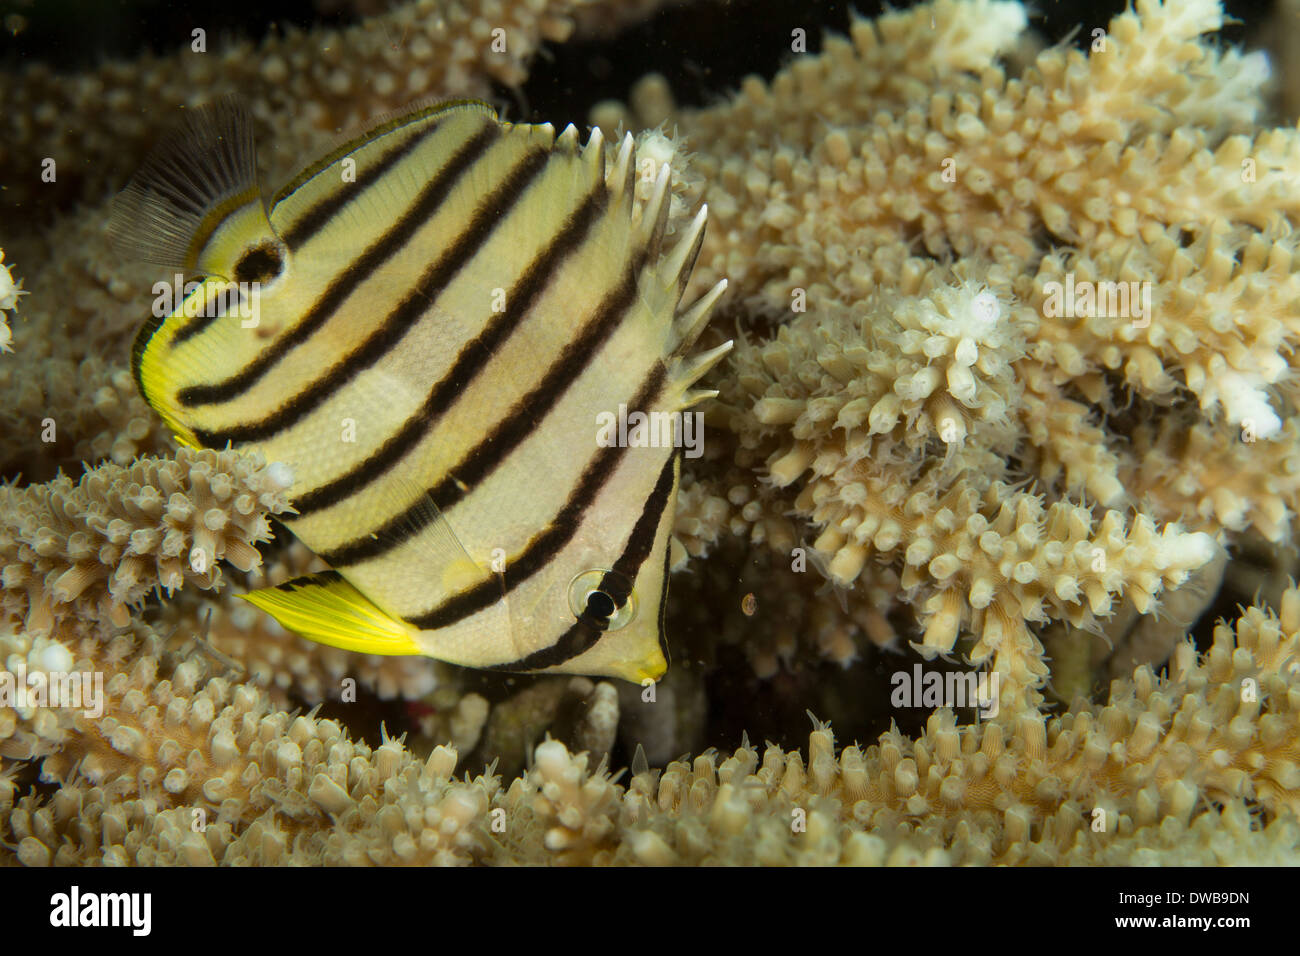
(637, 429)
(234, 299)
(133, 911)
(1084, 299)
(921, 687)
(83, 690)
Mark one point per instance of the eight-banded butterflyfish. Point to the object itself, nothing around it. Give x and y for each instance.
(424, 328)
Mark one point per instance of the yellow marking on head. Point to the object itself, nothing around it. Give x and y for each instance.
(652, 667)
(158, 378)
(162, 372)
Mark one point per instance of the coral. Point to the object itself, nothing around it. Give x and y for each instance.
(1099, 784)
(861, 404)
(1087, 660)
(951, 277)
(941, 432)
(304, 86)
(1287, 37)
(61, 413)
(772, 615)
(580, 712)
(94, 548)
(1208, 478)
(81, 384)
(9, 293)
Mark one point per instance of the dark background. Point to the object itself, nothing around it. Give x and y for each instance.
(704, 47)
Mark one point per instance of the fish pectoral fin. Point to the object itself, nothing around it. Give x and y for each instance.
(327, 609)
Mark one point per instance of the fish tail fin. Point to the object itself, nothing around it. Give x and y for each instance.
(200, 173)
(327, 609)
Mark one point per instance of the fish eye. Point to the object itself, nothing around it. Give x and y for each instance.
(602, 597)
(260, 263)
(601, 604)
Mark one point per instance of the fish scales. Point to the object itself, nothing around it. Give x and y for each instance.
(447, 305)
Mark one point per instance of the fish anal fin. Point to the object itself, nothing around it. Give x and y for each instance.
(327, 609)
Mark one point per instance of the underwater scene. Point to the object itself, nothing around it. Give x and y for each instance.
(649, 433)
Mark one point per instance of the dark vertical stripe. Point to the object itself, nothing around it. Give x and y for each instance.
(524, 418)
(642, 540)
(491, 210)
(317, 216)
(585, 632)
(544, 546)
(201, 323)
(529, 413)
(473, 358)
(347, 281)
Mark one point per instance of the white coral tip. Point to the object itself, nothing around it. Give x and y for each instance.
(281, 473)
(1188, 551)
(50, 657)
(1246, 402)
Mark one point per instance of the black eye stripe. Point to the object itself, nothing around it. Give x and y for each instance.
(259, 264)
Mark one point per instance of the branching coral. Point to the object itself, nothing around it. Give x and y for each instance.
(575, 709)
(94, 548)
(866, 408)
(10, 291)
(1123, 782)
(940, 403)
(956, 278)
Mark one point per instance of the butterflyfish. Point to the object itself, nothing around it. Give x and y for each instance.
(424, 329)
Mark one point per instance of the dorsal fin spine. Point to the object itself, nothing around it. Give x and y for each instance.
(680, 262)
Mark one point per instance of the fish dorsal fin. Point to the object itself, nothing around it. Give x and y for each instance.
(343, 172)
(327, 609)
(200, 172)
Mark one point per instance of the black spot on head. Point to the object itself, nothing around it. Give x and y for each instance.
(600, 605)
(260, 264)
